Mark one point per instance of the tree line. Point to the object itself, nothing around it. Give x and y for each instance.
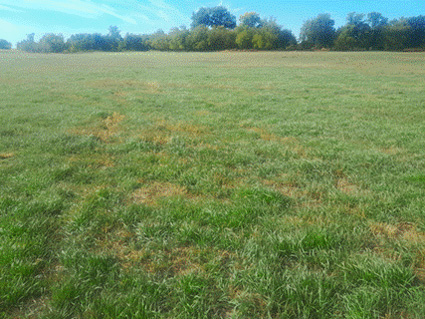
(215, 29)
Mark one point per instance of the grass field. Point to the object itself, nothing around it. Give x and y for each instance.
(212, 185)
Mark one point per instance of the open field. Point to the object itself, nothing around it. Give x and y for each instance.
(212, 185)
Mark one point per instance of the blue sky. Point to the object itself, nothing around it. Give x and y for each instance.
(21, 17)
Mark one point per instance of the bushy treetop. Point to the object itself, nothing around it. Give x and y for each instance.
(214, 17)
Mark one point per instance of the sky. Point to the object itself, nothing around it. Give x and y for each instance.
(21, 17)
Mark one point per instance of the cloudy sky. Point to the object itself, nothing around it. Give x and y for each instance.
(21, 17)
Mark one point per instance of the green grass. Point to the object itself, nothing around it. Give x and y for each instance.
(212, 185)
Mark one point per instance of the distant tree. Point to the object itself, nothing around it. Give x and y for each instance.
(159, 41)
(213, 17)
(220, 38)
(135, 42)
(318, 32)
(28, 45)
(397, 35)
(244, 37)
(177, 39)
(52, 43)
(81, 42)
(376, 20)
(355, 35)
(377, 23)
(354, 18)
(114, 39)
(251, 20)
(271, 36)
(417, 26)
(4, 45)
(197, 39)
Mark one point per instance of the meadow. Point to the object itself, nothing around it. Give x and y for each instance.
(212, 185)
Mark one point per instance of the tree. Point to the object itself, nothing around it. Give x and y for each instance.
(220, 38)
(135, 42)
(197, 39)
(417, 26)
(244, 37)
(397, 35)
(28, 45)
(216, 16)
(355, 35)
(251, 20)
(177, 39)
(376, 20)
(318, 32)
(114, 39)
(377, 23)
(52, 43)
(81, 42)
(4, 45)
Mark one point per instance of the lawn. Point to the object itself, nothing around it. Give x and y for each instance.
(212, 185)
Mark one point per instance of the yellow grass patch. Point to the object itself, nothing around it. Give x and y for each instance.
(6, 155)
(152, 193)
(347, 187)
(163, 131)
(403, 231)
(182, 127)
(291, 142)
(105, 130)
(115, 84)
(285, 188)
(182, 261)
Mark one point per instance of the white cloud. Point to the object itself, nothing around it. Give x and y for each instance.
(82, 8)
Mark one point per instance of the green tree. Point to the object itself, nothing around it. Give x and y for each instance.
(160, 41)
(114, 39)
(220, 38)
(376, 20)
(178, 38)
(135, 42)
(417, 26)
(397, 35)
(251, 20)
(52, 43)
(197, 40)
(213, 17)
(244, 37)
(355, 35)
(5, 45)
(377, 23)
(28, 45)
(318, 32)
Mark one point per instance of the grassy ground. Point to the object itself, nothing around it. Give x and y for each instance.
(216, 185)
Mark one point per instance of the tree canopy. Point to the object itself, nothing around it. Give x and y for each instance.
(318, 32)
(5, 45)
(215, 28)
(214, 17)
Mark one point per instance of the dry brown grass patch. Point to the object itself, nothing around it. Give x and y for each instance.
(347, 187)
(6, 155)
(285, 188)
(153, 192)
(105, 130)
(289, 141)
(163, 131)
(403, 231)
(179, 261)
(114, 84)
